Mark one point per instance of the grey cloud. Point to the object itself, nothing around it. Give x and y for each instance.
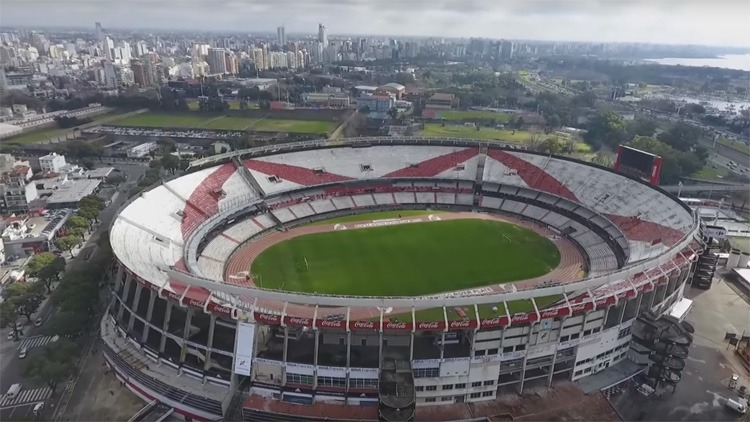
(677, 21)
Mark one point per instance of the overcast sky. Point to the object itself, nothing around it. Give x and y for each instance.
(708, 22)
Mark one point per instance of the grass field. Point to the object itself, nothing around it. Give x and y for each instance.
(293, 126)
(474, 114)
(207, 121)
(460, 131)
(406, 260)
(230, 123)
(739, 146)
(52, 132)
(186, 120)
(710, 173)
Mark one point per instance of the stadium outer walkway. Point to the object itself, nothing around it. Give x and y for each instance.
(564, 401)
(569, 269)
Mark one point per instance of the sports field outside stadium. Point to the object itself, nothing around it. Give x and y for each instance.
(406, 260)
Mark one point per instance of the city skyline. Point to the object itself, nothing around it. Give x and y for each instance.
(662, 22)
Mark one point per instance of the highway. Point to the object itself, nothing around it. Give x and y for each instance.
(10, 365)
(705, 187)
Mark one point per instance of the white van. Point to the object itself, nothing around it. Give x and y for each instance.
(13, 391)
(736, 406)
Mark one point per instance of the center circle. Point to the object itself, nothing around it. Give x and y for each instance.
(403, 254)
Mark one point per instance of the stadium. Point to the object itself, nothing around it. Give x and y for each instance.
(373, 277)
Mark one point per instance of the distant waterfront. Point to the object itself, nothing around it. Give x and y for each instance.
(729, 61)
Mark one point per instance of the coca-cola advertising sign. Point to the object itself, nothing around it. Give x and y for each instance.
(604, 302)
(298, 322)
(217, 309)
(363, 325)
(431, 326)
(523, 318)
(336, 324)
(173, 296)
(268, 319)
(580, 308)
(647, 287)
(626, 295)
(466, 324)
(397, 326)
(193, 303)
(554, 313)
(493, 322)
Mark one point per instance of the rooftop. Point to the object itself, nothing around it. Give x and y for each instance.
(73, 191)
(100, 172)
(441, 96)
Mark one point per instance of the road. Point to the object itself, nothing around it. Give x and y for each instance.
(10, 365)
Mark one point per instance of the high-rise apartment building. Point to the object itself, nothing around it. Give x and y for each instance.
(217, 60)
(322, 35)
(281, 35)
(257, 55)
(109, 48)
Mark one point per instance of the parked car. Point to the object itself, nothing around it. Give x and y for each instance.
(22, 353)
(38, 322)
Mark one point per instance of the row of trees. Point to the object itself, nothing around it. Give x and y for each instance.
(76, 298)
(678, 146)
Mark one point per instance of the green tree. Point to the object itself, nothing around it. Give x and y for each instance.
(67, 243)
(116, 179)
(89, 213)
(78, 222)
(170, 162)
(26, 296)
(681, 136)
(67, 323)
(46, 267)
(605, 128)
(92, 201)
(641, 127)
(9, 316)
(55, 364)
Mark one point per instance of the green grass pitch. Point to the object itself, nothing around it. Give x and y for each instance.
(406, 260)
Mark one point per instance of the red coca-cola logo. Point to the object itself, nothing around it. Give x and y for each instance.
(460, 324)
(604, 301)
(395, 326)
(433, 325)
(494, 322)
(579, 307)
(219, 309)
(520, 317)
(298, 321)
(195, 303)
(330, 324)
(273, 319)
(173, 296)
(363, 325)
(551, 313)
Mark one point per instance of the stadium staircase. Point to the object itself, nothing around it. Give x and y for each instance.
(247, 175)
(396, 393)
(480, 174)
(234, 410)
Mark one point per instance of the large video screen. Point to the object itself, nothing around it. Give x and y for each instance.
(638, 163)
